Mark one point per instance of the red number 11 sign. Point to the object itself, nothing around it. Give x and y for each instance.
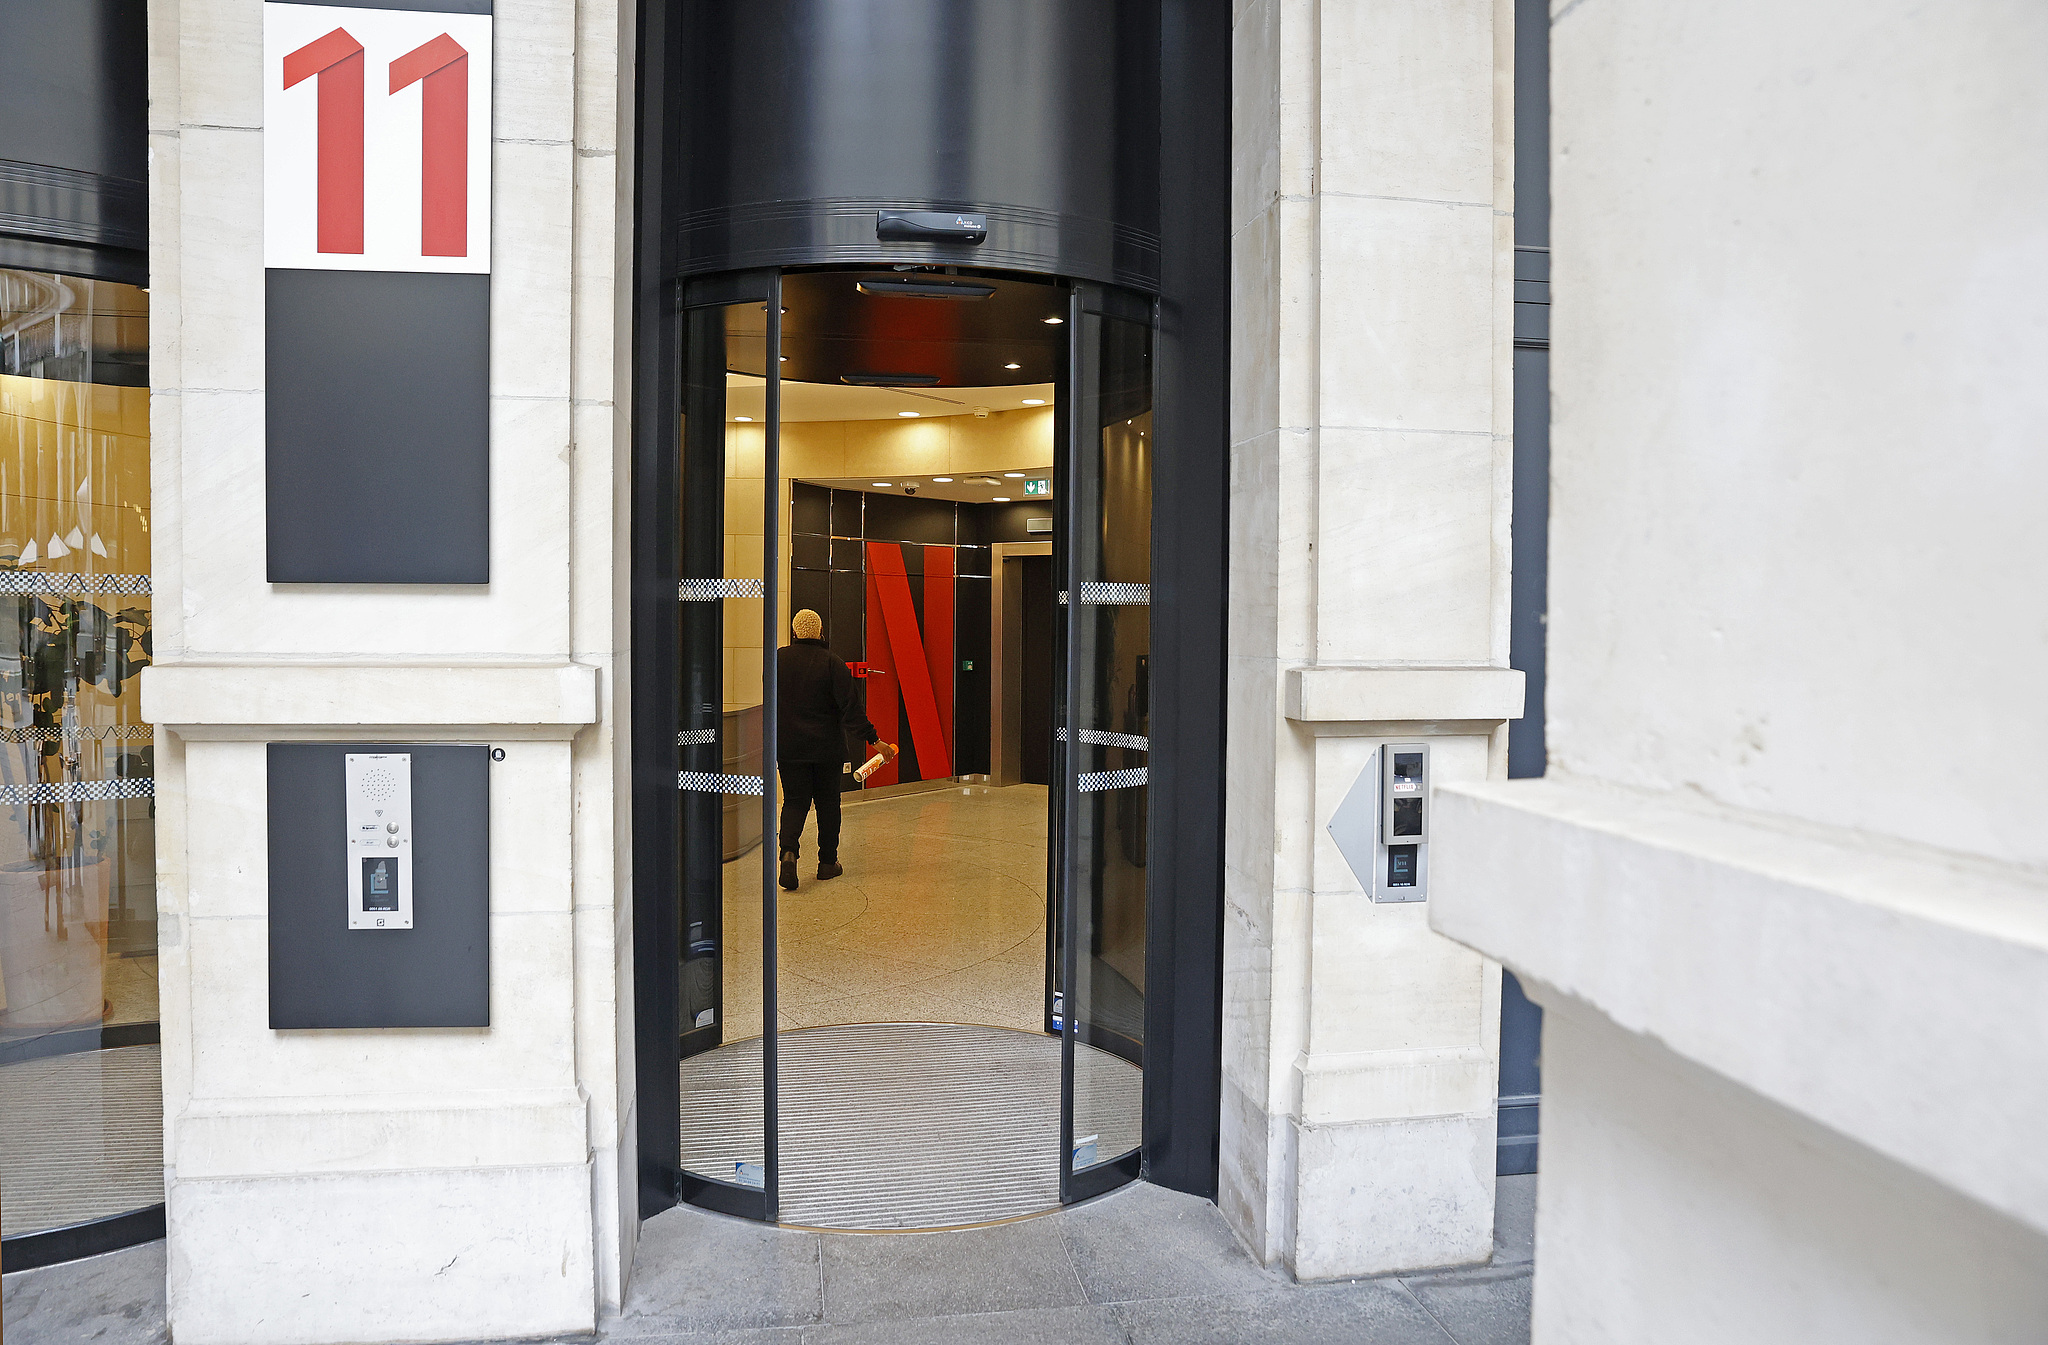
(376, 139)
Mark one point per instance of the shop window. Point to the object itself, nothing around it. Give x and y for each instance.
(80, 1083)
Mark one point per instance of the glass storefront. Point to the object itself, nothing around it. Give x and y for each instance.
(80, 1083)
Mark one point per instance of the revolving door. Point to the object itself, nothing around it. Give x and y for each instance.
(855, 443)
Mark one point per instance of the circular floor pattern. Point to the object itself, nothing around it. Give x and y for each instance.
(907, 1125)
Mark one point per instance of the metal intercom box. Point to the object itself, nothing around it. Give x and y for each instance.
(1403, 865)
(380, 896)
(378, 872)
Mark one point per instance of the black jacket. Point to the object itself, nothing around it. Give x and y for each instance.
(818, 704)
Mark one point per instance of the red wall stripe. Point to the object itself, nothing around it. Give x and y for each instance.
(938, 635)
(899, 618)
(883, 687)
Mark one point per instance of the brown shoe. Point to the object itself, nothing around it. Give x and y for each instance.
(829, 869)
(787, 874)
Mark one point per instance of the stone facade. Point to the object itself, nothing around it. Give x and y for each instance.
(1781, 892)
(1370, 498)
(435, 1185)
(474, 1184)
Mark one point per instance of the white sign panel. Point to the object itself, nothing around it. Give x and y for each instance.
(377, 139)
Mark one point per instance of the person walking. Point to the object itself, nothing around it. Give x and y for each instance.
(818, 707)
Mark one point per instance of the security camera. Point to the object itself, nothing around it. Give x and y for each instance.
(910, 490)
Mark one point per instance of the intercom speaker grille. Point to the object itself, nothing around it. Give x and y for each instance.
(377, 784)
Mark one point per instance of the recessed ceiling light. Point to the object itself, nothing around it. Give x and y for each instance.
(1002, 499)
(883, 484)
(942, 478)
(1034, 401)
(783, 358)
(1013, 366)
(749, 419)
(906, 414)
(1054, 322)
(1013, 474)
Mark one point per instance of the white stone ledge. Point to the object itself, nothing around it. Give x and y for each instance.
(1893, 994)
(1348, 695)
(304, 1136)
(1333, 1088)
(242, 700)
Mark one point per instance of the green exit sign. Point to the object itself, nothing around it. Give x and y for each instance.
(1038, 487)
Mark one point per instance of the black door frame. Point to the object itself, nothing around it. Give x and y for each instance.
(1184, 935)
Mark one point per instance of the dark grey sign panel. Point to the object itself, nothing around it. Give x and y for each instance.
(324, 974)
(378, 469)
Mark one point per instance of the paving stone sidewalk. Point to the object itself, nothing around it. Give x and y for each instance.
(1141, 1266)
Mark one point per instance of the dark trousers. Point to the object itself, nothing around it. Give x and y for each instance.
(805, 783)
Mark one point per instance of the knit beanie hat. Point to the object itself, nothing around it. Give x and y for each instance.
(807, 625)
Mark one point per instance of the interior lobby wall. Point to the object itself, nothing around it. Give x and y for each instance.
(928, 445)
(813, 450)
(423, 1184)
(1781, 892)
(1370, 499)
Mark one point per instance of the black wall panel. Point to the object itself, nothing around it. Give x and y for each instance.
(904, 518)
(324, 974)
(1009, 522)
(971, 680)
(848, 638)
(812, 589)
(810, 508)
(378, 465)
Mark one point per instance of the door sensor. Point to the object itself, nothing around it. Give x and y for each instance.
(377, 787)
(930, 226)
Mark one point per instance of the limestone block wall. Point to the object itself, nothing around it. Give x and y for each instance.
(1370, 498)
(1782, 891)
(402, 1185)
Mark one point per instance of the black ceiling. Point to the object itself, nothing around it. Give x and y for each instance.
(830, 329)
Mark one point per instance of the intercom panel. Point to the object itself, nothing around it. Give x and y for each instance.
(378, 790)
(1401, 868)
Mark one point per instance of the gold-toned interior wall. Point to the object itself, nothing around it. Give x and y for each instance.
(78, 945)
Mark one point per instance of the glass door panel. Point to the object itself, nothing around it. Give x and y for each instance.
(1105, 730)
(725, 746)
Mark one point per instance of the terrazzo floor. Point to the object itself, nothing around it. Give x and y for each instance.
(939, 917)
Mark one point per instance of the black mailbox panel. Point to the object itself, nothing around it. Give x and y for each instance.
(323, 974)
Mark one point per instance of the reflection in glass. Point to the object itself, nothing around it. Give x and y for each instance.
(79, 1077)
(722, 759)
(1107, 721)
